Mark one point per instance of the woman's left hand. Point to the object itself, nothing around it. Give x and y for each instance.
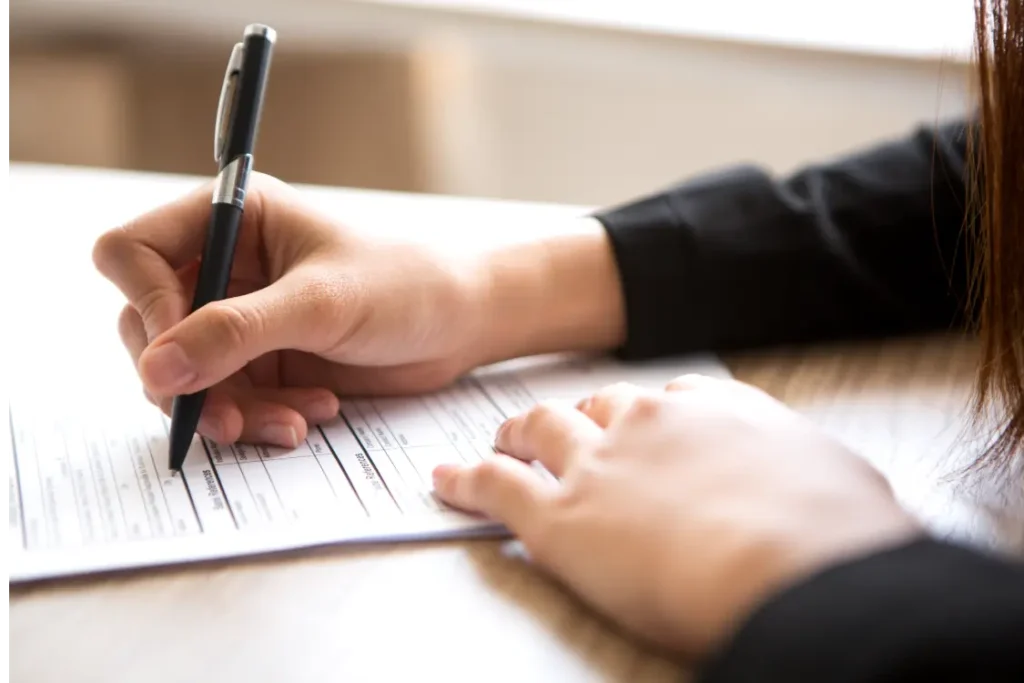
(676, 513)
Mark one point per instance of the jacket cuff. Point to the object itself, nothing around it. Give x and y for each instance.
(913, 610)
(680, 257)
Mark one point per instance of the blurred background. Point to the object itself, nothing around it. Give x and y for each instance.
(585, 102)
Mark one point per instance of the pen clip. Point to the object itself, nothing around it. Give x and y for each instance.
(227, 98)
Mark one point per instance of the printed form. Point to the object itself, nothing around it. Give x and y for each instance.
(90, 489)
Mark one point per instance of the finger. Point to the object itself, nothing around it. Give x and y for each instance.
(314, 404)
(132, 332)
(222, 337)
(270, 423)
(501, 488)
(141, 256)
(551, 433)
(691, 381)
(280, 417)
(695, 382)
(609, 403)
(234, 410)
(133, 337)
(394, 380)
(221, 420)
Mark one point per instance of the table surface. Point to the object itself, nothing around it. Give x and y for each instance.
(462, 610)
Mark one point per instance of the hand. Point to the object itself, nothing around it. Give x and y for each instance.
(678, 512)
(313, 308)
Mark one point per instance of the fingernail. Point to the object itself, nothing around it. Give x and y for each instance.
(169, 368)
(584, 405)
(280, 434)
(211, 427)
(442, 475)
(500, 434)
(324, 409)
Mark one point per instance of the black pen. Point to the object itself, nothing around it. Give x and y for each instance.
(238, 117)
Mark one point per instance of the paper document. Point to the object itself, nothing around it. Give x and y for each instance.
(90, 489)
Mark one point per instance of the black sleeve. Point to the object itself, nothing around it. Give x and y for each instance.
(866, 245)
(926, 611)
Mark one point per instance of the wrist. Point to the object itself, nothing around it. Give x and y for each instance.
(782, 561)
(561, 293)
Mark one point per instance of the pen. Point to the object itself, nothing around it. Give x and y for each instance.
(238, 115)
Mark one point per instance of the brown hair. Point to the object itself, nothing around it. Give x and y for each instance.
(997, 156)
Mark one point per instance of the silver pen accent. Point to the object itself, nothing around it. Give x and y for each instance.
(232, 182)
(226, 100)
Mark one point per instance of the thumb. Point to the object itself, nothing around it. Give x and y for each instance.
(222, 337)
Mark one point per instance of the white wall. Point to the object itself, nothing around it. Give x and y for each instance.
(571, 116)
(578, 112)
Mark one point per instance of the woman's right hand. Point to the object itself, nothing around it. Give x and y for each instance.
(315, 309)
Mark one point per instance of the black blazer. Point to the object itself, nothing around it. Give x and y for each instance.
(869, 245)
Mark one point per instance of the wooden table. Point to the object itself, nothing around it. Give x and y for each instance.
(457, 611)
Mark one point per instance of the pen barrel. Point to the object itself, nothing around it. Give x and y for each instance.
(218, 254)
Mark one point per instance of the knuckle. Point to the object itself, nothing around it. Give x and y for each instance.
(130, 328)
(110, 248)
(235, 325)
(487, 477)
(126, 320)
(613, 391)
(644, 408)
(148, 304)
(540, 416)
(612, 398)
